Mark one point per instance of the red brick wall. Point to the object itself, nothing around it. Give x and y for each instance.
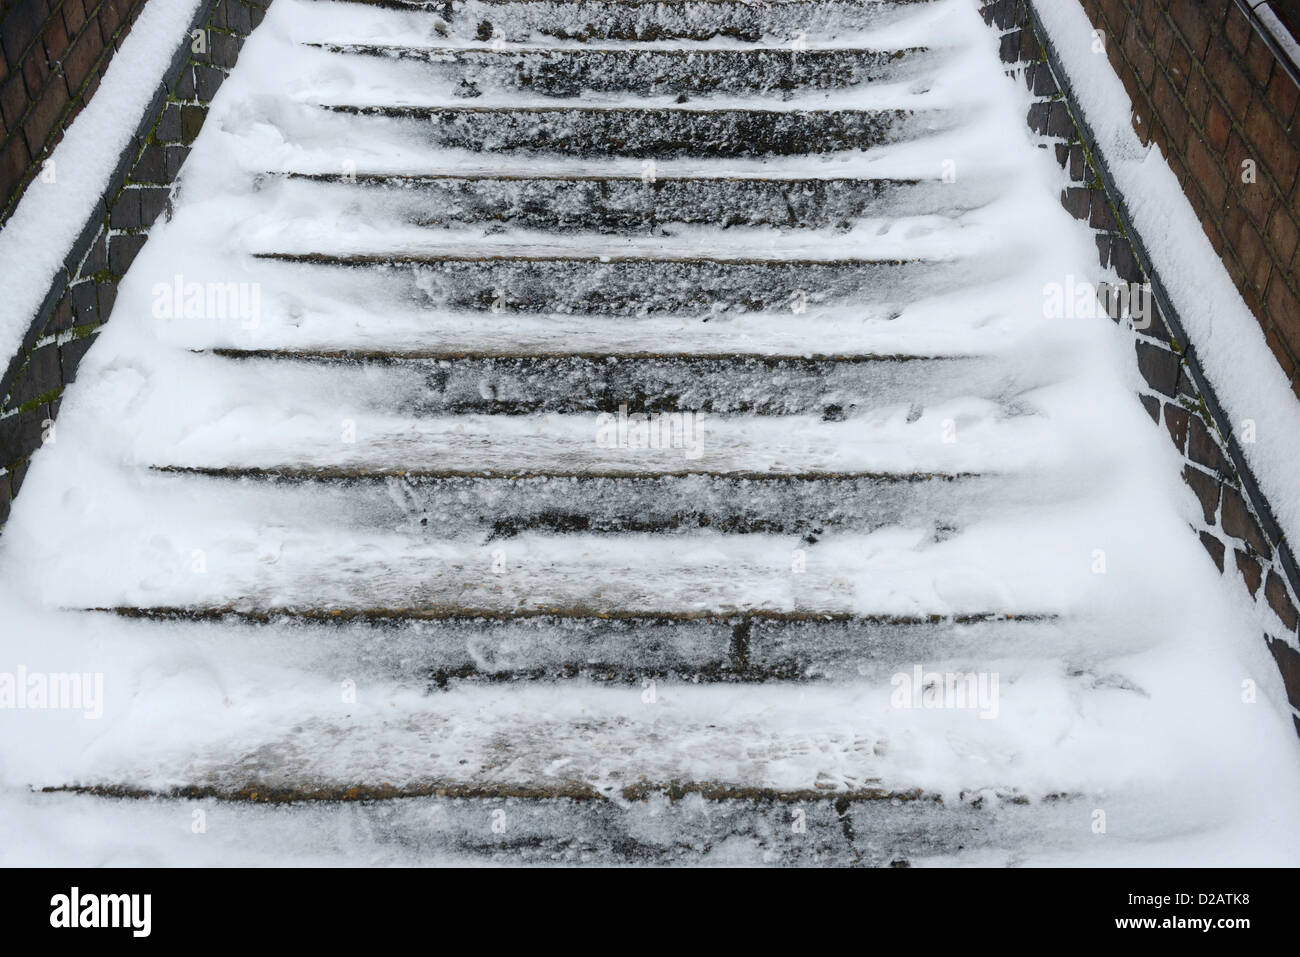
(1208, 92)
(52, 56)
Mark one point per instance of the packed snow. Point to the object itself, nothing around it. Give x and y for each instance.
(1126, 691)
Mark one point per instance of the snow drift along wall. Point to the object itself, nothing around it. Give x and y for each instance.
(1238, 528)
(81, 294)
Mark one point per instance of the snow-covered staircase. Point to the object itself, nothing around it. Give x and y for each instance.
(565, 431)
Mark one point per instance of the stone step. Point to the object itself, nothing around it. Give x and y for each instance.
(836, 388)
(646, 20)
(649, 72)
(259, 560)
(658, 133)
(311, 434)
(612, 742)
(643, 773)
(493, 508)
(439, 649)
(504, 283)
(374, 309)
(632, 204)
(689, 825)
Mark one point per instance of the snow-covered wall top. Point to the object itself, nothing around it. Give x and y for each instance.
(53, 55)
(1207, 90)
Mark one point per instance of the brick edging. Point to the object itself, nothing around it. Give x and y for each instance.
(81, 295)
(1237, 518)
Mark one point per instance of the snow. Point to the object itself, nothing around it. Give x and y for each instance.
(1279, 31)
(1126, 696)
(35, 241)
(1227, 337)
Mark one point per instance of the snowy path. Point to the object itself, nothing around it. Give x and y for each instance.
(600, 412)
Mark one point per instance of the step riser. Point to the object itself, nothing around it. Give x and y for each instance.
(635, 206)
(833, 389)
(647, 287)
(827, 832)
(494, 580)
(794, 830)
(570, 73)
(649, 133)
(446, 653)
(586, 20)
(496, 509)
